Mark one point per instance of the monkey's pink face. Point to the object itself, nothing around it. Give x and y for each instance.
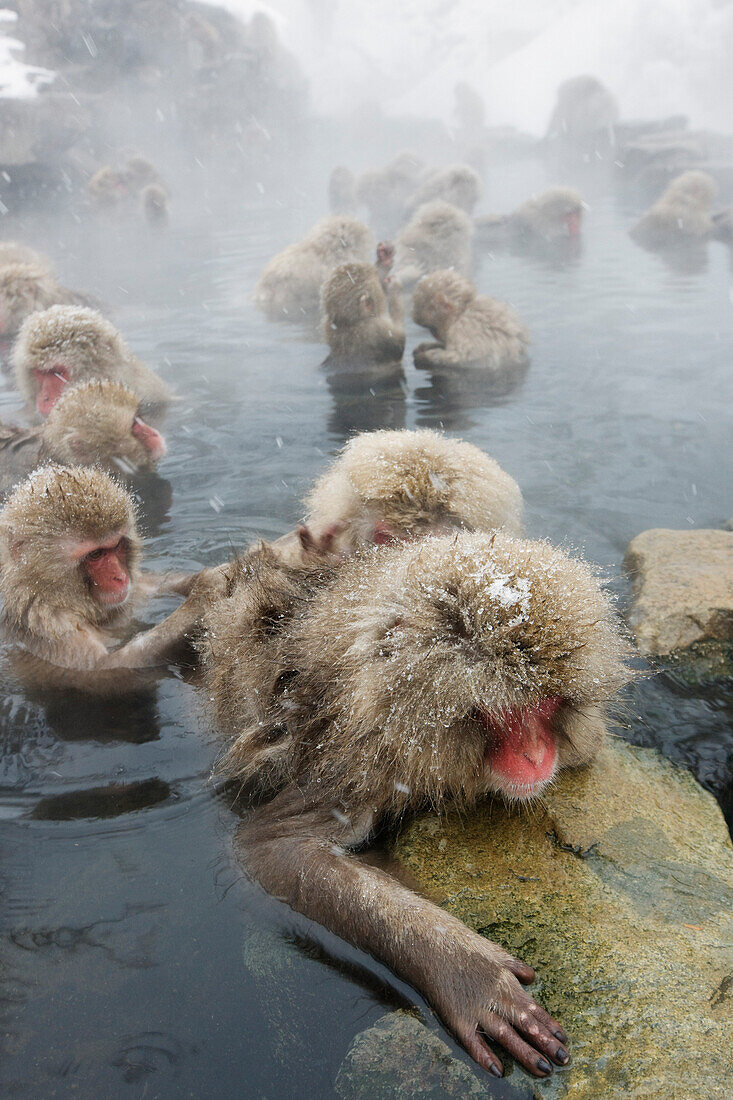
(151, 440)
(572, 221)
(521, 754)
(49, 386)
(385, 254)
(104, 565)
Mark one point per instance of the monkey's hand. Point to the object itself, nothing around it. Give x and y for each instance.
(431, 355)
(476, 989)
(324, 545)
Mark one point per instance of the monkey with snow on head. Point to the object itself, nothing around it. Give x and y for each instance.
(26, 288)
(357, 325)
(97, 423)
(289, 287)
(70, 575)
(413, 676)
(457, 184)
(437, 236)
(554, 215)
(472, 330)
(682, 215)
(69, 344)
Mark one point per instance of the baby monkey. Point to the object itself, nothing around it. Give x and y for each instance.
(70, 575)
(97, 423)
(412, 676)
(471, 330)
(70, 344)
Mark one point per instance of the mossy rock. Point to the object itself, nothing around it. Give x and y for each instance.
(618, 889)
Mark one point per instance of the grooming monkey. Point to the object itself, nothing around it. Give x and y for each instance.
(470, 329)
(289, 287)
(97, 423)
(70, 575)
(417, 675)
(71, 344)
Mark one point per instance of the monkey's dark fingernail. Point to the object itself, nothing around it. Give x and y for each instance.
(560, 1034)
(562, 1055)
(493, 1068)
(543, 1065)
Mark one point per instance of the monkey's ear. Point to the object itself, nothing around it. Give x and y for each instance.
(366, 305)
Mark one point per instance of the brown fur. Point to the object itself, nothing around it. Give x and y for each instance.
(364, 702)
(289, 288)
(49, 606)
(88, 346)
(357, 324)
(471, 329)
(457, 184)
(411, 483)
(541, 219)
(584, 115)
(683, 213)
(113, 189)
(437, 236)
(26, 288)
(13, 252)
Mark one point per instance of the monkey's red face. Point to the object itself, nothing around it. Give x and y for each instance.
(572, 222)
(49, 386)
(151, 440)
(385, 254)
(105, 567)
(521, 756)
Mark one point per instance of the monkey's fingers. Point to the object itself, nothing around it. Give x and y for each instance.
(479, 1049)
(543, 1036)
(520, 970)
(503, 1033)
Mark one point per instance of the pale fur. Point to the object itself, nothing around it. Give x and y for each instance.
(89, 346)
(414, 482)
(290, 285)
(542, 216)
(26, 288)
(457, 184)
(682, 213)
(471, 329)
(14, 252)
(357, 320)
(585, 111)
(437, 236)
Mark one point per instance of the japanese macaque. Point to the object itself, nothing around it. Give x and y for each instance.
(116, 188)
(391, 286)
(357, 325)
(289, 288)
(682, 214)
(437, 236)
(342, 191)
(553, 215)
(414, 676)
(385, 191)
(471, 329)
(97, 423)
(584, 116)
(154, 202)
(389, 486)
(26, 288)
(70, 344)
(70, 574)
(458, 184)
(13, 252)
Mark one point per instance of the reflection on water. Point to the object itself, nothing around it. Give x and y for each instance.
(134, 952)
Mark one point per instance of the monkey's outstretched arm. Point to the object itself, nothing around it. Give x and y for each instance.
(434, 355)
(296, 852)
(167, 584)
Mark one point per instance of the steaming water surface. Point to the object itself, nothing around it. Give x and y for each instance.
(137, 960)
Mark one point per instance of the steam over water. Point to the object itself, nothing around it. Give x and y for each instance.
(137, 959)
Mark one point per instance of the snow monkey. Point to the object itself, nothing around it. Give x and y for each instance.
(13, 252)
(457, 184)
(682, 214)
(388, 486)
(551, 216)
(289, 288)
(25, 288)
(471, 329)
(70, 574)
(437, 236)
(412, 676)
(391, 286)
(71, 344)
(115, 188)
(584, 116)
(357, 325)
(97, 423)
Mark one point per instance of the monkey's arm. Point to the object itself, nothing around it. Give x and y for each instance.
(434, 355)
(167, 584)
(295, 851)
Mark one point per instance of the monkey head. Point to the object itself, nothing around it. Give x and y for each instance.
(69, 549)
(351, 294)
(138, 173)
(109, 186)
(698, 188)
(439, 299)
(394, 485)
(338, 238)
(441, 222)
(385, 257)
(99, 423)
(24, 288)
(65, 344)
(450, 667)
(13, 252)
(556, 213)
